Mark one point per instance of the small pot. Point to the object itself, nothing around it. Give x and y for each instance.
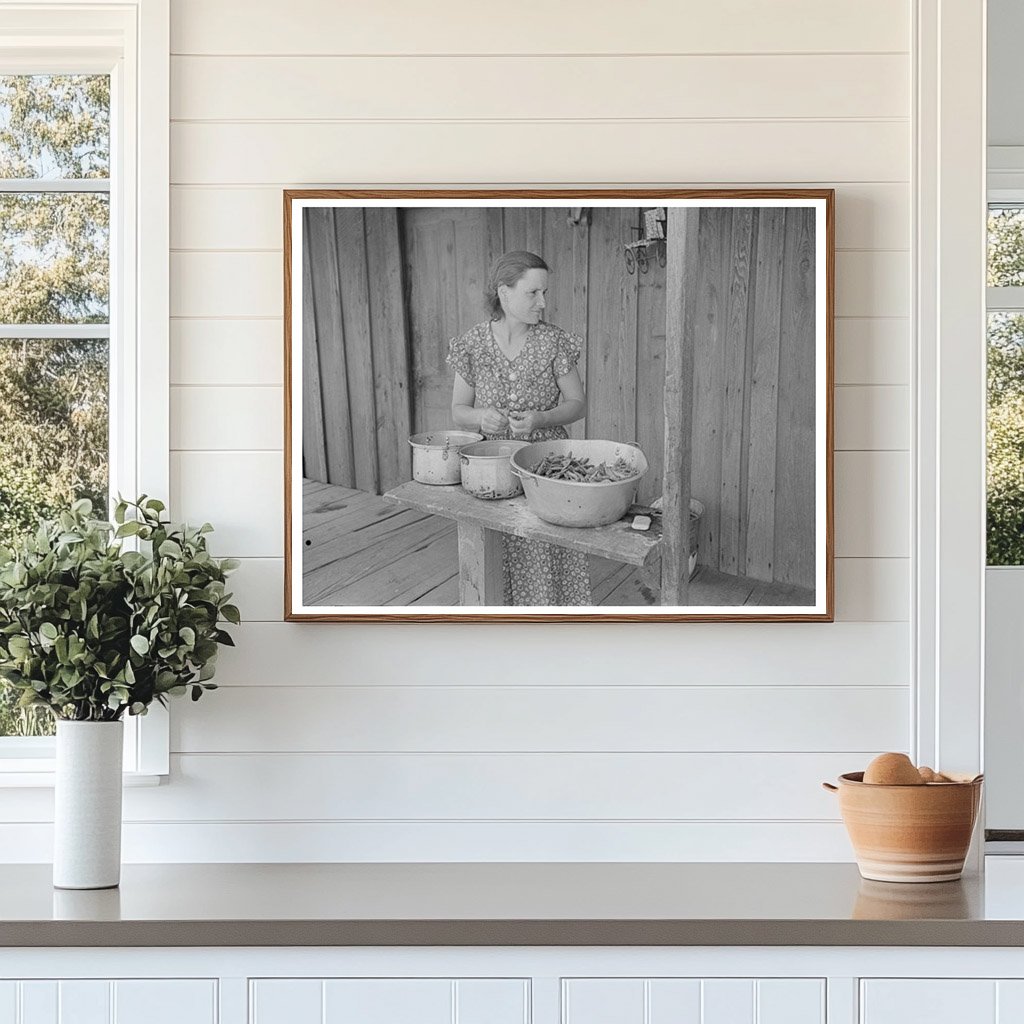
(435, 456)
(909, 833)
(487, 470)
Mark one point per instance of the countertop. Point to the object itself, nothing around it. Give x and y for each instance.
(476, 904)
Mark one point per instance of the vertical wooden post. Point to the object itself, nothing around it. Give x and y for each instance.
(314, 445)
(680, 302)
(763, 456)
(580, 263)
(330, 338)
(480, 578)
(390, 346)
(354, 282)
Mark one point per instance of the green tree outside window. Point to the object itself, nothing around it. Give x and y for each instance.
(1005, 477)
(54, 275)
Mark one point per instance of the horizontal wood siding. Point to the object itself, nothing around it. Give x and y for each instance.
(435, 742)
(468, 152)
(531, 719)
(332, 88)
(318, 26)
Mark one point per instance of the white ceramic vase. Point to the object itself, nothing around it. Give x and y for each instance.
(87, 805)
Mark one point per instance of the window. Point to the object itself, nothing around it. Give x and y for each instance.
(1004, 577)
(1005, 477)
(54, 309)
(84, 124)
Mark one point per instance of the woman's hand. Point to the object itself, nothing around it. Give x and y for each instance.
(525, 422)
(492, 421)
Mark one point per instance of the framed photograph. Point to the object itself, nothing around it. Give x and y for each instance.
(565, 405)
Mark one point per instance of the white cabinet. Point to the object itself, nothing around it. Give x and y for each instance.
(513, 985)
(389, 1001)
(939, 1001)
(693, 1001)
(96, 1001)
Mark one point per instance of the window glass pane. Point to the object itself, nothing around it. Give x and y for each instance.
(54, 257)
(1005, 246)
(53, 449)
(1005, 485)
(54, 269)
(17, 721)
(54, 126)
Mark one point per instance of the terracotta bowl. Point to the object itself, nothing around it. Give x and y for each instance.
(909, 833)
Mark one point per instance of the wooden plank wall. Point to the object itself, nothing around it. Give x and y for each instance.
(356, 401)
(441, 263)
(620, 317)
(753, 370)
(753, 447)
(446, 256)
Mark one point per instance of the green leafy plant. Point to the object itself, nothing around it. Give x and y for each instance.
(90, 630)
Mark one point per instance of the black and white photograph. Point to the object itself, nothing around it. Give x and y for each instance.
(503, 406)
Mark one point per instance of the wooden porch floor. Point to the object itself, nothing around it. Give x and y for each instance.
(360, 550)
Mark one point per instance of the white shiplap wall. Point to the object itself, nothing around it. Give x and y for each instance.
(659, 741)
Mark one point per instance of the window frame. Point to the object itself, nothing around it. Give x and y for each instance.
(130, 41)
(1003, 717)
(948, 391)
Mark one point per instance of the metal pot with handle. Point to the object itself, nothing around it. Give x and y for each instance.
(487, 470)
(435, 455)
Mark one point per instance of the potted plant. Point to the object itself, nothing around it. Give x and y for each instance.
(92, 631)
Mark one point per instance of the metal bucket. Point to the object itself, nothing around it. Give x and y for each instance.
(487, 471)
(435, 456)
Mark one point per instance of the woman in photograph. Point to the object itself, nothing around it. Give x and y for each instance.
(516, 378)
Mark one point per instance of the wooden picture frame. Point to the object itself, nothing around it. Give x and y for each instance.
(700, 325)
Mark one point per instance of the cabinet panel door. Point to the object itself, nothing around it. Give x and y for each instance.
(388, 1000)
(175, 1001)
(935, 1001)
(693, 1001)
(101, 1001)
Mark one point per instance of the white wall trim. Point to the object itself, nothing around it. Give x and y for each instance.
(949, 464)
(131, 41)
(153, 290)
(1005, 172)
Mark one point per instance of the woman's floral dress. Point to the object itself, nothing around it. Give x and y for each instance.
(535, 573)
